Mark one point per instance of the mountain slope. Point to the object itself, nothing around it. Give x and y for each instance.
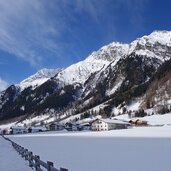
(158, 95)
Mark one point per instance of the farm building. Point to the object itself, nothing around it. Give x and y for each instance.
(70, 127)
(36, 129)
(18, 130)
(138, 122)
(84, 126)
(108, 124)
(55, 126)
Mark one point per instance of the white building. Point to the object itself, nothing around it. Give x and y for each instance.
(108, 124)
(36, 129)
(18, 130)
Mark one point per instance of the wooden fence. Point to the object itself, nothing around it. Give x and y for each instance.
(34, 160)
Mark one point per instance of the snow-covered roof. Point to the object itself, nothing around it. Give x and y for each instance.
(85, 124)
(113, 121)
(38, 128)
(54, 123)
(18, 127)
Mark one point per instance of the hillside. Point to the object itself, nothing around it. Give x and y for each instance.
(158, 95)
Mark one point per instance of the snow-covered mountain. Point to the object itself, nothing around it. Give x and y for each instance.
(113, 76)
(38, 78)
(156, 45)
(81, 71)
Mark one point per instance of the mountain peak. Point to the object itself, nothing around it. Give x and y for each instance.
(109, 52)
(155, 45)
(161, 36)
(38, 78)
(47, 72)
(160, 31)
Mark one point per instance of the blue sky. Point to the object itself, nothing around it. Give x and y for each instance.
(37, 34)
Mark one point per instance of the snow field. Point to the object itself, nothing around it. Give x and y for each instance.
(10, 160)
(152, 120)
(145, 149)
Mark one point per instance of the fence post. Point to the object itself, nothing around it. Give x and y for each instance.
(37, 164)
(50, 164)
(21, 150)
(26, 154)
(30, 159)
(23, 153)
(63, 169)
(18, 148)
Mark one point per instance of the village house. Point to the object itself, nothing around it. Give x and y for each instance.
(138, 122)
(36, 129)
(54, 126)
(108, 124)
(84, 126)
(22, 129)
(51, 126)
(18, 130)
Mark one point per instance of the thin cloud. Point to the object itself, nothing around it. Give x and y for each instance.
(26, 29)
(3, 85)
(30, 30)
(33, 30)
(95, 8)
(136, 9)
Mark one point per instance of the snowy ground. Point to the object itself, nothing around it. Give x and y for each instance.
(142, 149)
(10, 159)
(152, 120)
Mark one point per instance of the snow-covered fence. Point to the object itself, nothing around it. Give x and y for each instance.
(34, 160)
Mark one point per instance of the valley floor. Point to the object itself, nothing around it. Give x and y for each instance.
(142, 149)
(10, 159)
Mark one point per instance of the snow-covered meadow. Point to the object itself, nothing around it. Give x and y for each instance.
(142, 149)
(9, 159)
(137, 148)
